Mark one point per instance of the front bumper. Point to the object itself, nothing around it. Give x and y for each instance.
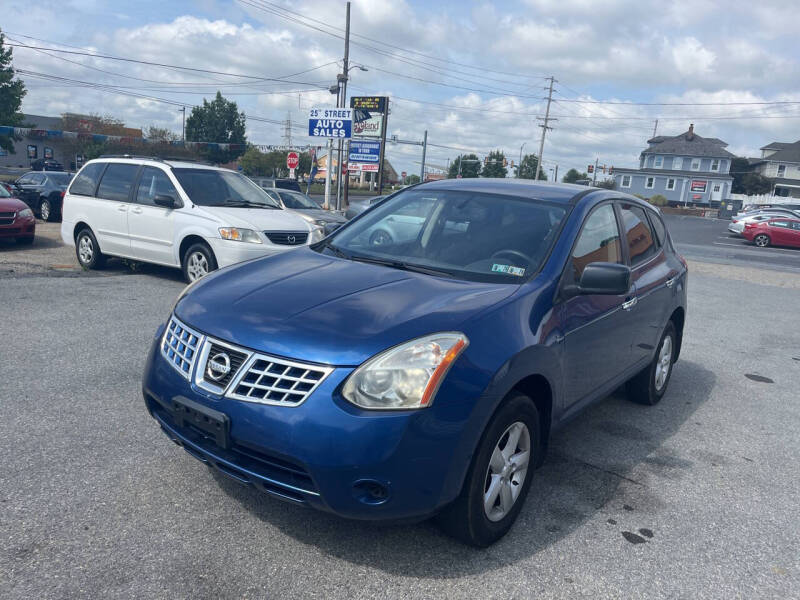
(20, 227)
(228, 252)
(736, 228)
(325, 453)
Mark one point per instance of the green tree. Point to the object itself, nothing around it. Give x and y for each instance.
(160, 134)
(574, 175)
(217, 121)
(470, 166)
(745, 181)
(412, 179)
(527, 168)
(11, 93)
(493, 167)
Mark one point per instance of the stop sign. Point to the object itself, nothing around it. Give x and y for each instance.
(403, 174)
(292, 160)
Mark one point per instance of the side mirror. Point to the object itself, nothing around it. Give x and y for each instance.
(601, 278)
(164, 200)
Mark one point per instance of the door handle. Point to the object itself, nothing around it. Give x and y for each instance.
(671, 282)
(630, 303)
(136, 211)
(122, 208)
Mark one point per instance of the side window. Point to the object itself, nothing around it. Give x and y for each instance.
(85, 182)
(154, 182)
(796, 225)
(640, 238)
(658, 227)
(784, 224)
(37, 179)
(117, 182)
(24, 180)
(598, 241)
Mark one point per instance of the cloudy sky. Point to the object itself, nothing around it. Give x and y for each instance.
(471, 73)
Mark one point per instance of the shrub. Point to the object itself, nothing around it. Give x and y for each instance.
(658, 200)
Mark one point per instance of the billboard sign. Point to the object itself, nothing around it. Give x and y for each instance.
(369, 103)
(330, 122)
(370, 127)
(699, 185)
(365, 152)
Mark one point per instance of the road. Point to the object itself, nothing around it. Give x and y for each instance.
(696, 497)
(709, 240)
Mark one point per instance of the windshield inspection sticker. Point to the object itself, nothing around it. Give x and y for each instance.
(508, 269)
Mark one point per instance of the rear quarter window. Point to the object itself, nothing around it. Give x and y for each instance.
(85, 182)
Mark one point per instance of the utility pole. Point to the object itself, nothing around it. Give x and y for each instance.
(594, 175)
(519, 166)
(555, 177)
(328, 169)
(655, 128)
(183, 129)
(340, 103)
(424, 152)
(383, 147)
(545, 127)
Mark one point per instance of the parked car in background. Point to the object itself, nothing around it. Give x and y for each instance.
(269, 183)
(777, 231)
(737, 224)
(16, 219)
(180, 214)
(44, 192)
(423, 377)
(359, 205)
(307, 208)
(46, 164)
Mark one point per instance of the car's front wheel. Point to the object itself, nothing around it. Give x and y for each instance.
(649, 386)
(198, 261)
(45, 209)
(761, 240)
(499, 478)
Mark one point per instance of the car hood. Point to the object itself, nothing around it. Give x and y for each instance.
(307, 306)
(11, 204)
(260, 219)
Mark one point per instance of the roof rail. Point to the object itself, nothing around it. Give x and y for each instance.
(131, 156)
(158, 158)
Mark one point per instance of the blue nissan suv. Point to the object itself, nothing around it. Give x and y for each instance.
(423, 375)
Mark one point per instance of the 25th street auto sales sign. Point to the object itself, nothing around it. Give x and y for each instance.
(330, 122)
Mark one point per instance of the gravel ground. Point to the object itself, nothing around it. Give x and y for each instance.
(694, 498)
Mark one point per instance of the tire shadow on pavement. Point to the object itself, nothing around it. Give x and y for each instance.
(603, 465)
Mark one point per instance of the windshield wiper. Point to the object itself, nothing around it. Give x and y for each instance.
(243, 204)
(336, 250)
(403, 266)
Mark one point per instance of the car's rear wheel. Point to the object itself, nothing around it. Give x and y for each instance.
(761, 240)
(649, 386)
(45, 209)
(88, 250)
(198, 261)
(499, 478)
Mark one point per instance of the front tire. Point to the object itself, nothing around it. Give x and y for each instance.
(45, 210)
(88, 250)
(761, 240)
(649, 386)
(500, 476)
(198, 261)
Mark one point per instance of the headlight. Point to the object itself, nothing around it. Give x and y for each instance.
(239, 235)
(317, 233)
(319, 223)
(406, 376)
(25, 212)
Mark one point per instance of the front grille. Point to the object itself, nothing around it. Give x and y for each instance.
(7, 218)
(235, 359)
(271, 380)
(287, 238)
(179, 346)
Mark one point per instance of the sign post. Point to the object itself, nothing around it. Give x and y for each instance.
(292, 161)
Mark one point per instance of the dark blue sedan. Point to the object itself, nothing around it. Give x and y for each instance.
(425, 375)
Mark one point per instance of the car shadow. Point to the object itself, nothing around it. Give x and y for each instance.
(39, 242)
(609, 459)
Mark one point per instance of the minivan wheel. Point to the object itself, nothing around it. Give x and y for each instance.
(380, 238)
(45, 209)
(648, 387)
(761, 240)
(88, 250)
(198, 261)
(499, 478)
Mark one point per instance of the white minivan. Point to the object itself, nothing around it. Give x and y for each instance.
(175, 213)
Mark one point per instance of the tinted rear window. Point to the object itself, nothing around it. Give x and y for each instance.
(86, 181)
(117, 182)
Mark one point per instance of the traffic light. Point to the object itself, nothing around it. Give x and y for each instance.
(611, 170)
(505, 162)
(591, 169)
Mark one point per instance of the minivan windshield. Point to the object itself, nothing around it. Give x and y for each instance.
(209, 187)
(467, 235)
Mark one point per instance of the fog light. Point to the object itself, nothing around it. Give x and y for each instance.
(370, 491)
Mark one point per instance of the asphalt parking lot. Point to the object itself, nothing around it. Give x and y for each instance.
(694, 498)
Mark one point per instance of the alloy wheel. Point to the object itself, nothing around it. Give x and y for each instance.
(507, 470)
(44, 210)
(85, 249)
(664, 363)
(380, 238)
(197, 266)
(761, 241)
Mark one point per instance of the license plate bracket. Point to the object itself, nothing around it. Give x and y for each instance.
(212, 423)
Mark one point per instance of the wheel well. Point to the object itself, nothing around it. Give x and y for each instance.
(677, 317)
(538, 389)
(188, 241)
(80, 225)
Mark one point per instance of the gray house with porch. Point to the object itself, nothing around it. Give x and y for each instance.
(686, 169)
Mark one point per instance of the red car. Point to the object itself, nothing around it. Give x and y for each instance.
(16, 219)
(777, 231)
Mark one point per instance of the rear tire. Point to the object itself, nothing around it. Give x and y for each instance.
(497, 484)
(649, 386)
(88, 250)
(198, 261)
(762, 240)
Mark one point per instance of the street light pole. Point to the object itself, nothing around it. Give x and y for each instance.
(519, 165)
(183, 128)
(424, 152)
(340, 102)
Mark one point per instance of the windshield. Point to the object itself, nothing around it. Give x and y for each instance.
(208, 187)
(468, 235)
(4, 192)
(297, 200)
